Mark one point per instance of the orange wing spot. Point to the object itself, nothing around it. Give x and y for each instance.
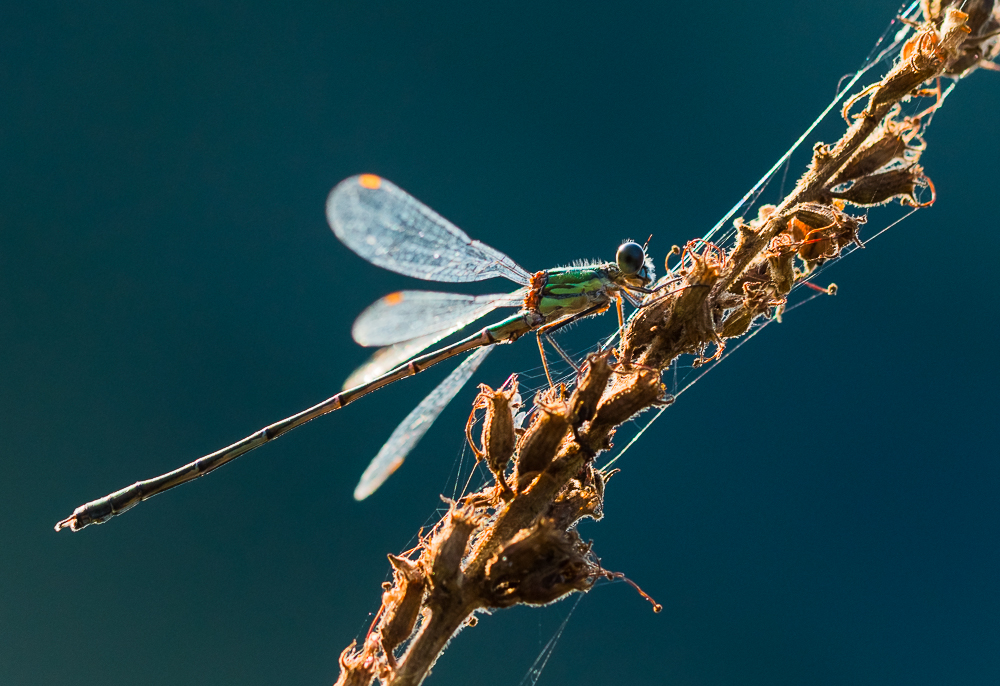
(393, 298)
(370, 181)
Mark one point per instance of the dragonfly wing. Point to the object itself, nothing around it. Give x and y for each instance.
(391, 229)
(391, 357)
(413, 428)
(406, 315)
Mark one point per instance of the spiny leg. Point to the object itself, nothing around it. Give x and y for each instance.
(561, 352)
(545, 364)
(632, 290)
(621, 315)
(547, 330)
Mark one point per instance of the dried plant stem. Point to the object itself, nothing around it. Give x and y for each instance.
(515, 542)
(430, 643)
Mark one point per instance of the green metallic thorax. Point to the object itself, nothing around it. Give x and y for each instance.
(569, 290)
(559, 293)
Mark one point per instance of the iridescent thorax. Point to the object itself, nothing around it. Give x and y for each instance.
(564, 291)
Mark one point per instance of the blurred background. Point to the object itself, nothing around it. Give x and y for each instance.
(820, 509)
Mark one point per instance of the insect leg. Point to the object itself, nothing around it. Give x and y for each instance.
(547, 330)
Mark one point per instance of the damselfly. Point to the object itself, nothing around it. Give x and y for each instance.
(391, 229)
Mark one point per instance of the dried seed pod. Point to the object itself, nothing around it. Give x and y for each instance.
(401, 604)
(822, 216)
(540, 565)
(579, 499)
(755, 272)
(737, 322)
(538, 445)
(447, 549)
(601, 480)
(980, 45)
(821, 231)
(982, 17)
(781, 263)
(357, 667)
(497, 437)
(890, 142)
(883, 187)
(639, 389)
(924, 56)
(588, 391)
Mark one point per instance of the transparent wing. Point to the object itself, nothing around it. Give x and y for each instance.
(391, 357)
(413, 428)
(392, 229)
(395, 354)
(412, 314)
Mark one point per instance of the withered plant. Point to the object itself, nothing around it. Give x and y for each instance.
(515, 540)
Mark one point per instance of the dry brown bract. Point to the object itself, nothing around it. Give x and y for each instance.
(515, 541)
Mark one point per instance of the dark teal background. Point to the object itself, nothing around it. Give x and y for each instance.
(822, 509)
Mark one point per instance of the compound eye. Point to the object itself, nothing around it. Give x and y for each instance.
(630, 257)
